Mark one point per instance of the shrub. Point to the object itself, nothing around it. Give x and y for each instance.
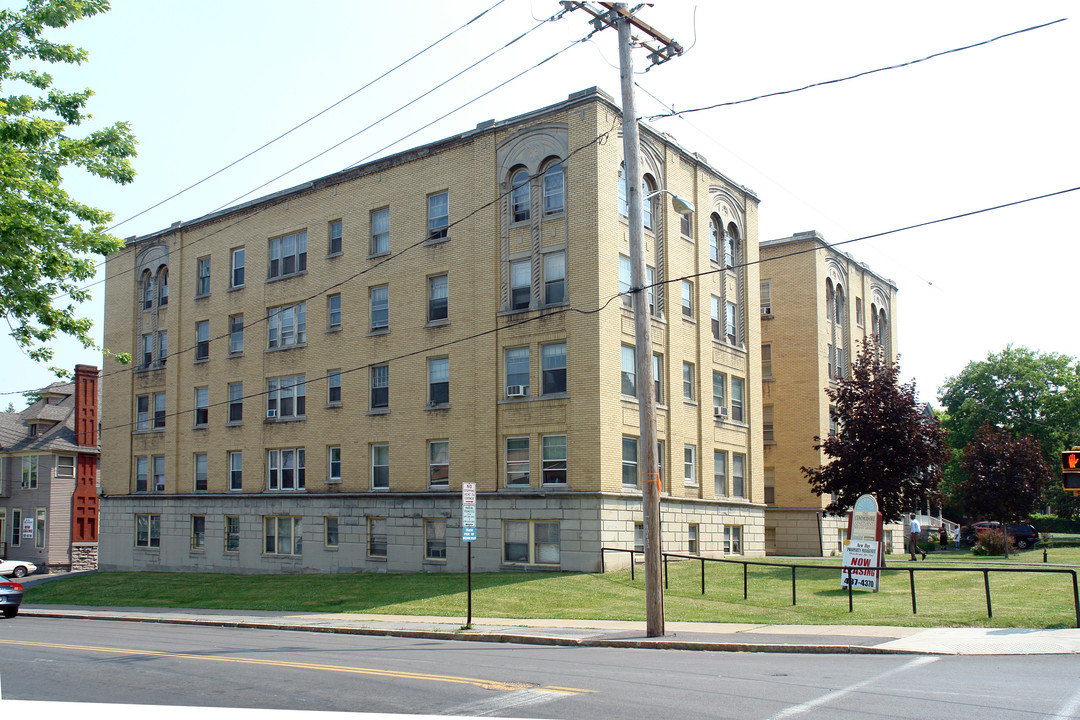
(991, 542)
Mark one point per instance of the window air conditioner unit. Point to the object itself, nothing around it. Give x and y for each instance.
(766, 310)
(720, 412)
(517, 390)
(271, 413)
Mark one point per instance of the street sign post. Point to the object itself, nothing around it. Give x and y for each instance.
(468, 536)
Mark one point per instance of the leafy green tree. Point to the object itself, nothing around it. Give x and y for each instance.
(49, 240)
(1028, 393)
(886, 444)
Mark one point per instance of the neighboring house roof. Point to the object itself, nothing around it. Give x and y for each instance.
(55, 415)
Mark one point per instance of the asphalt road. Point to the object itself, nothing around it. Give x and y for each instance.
(47, 659)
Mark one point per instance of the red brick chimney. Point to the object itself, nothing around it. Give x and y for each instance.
(84, 505)
(86, 405)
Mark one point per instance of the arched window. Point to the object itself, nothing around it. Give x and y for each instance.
(623, 208)
(714, 239)
(163, 285)
(840, 309)
(554, 189)
(873, 320)
(647, 202)
(147, 285)
(830, 299)
(731, 246)
(883, 330)
(520, 200)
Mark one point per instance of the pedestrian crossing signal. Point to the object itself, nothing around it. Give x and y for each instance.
(1070, 470)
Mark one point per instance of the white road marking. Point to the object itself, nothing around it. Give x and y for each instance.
(835, 694)
(1071, 708)
(515, 699)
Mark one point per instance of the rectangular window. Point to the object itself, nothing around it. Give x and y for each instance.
(766, 361)
(439, 463)
(438, 298)
(380, 307)
(200, 472)
(629, 371)
(147, 531)
(198, 532)
(517, 461)
(380, 231)
(685, 225)
(438, 381)
(658, 377)
(163, 347)
(626, 281)
(238, 267)
(29, 472)
(687, 298)
(380, 386)
(770, 540)
(737, 399)
(858, 311)
(288, 255)
(333, 387)
(729, 323)
(738, 468)
(380, 467)
(159, 410)
(333, 463)
(553, 368)
(236, 402)
(376, 537)
(232, 533)
(692, 539)
(157, 463)
(767, 432)
(766, 297)
(16, 527)
(438, 215)
(435, 539)
(286, 397)
(335, 238)
(554, 189)
(650, 282)
(286, 469)
(530, 542)
(202, 340)
(689, 465)
(517, 372)
(639, 537)
(142, 469)
(554, 278)
(202, 406)
(629, 461)
(719, 397)
(719, 473)
(330, 531)
(142, 412)
(714, 316)
(147, 350)
(333, 312)
(733, 539)
(520, 284)
(770, 485)
(202, 282)
(287, 325)
(688, 381)
(281, 535)
(553, 449)
(236, 470)
(236, 334)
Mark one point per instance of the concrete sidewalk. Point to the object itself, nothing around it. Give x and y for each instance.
(723, 637)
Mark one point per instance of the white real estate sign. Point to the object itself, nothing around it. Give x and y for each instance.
(863, 555)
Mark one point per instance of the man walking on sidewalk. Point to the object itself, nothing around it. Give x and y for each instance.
(914, 538)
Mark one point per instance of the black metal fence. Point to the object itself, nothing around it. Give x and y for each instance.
(849, 569)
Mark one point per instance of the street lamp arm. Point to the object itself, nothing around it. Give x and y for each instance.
(681, 204)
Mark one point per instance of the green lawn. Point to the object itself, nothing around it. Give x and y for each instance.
(943, 598)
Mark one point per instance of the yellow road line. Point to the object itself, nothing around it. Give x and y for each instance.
(478, 682)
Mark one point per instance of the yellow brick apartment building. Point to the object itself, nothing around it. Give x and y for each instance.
(817, 305)
(318, 371)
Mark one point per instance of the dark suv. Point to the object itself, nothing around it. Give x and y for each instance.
(1023, 535)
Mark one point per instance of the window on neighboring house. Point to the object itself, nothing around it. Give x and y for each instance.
(142, 412)
(767, 428)
(147, 350)
(163, 347)
(147, 286)
(688, 381)
(714, 315)
(692, 539)
(439, 463)
(733, 539)
(330, 531)
(630, 461)
(198, 532)
(517, 371)
(238, 267)
(720, 473)
(380, 386)
(142, 470)
(288, 255)
(770, 485)
(520, 284)
(766, 297)
(438, 381)
(286, 469)
(286, 396)
(380, 467)
(531, 542)
(554, 278)
(737, 399)
(658, 377)
(333, 464)
(380, 307)
(554, 189)
(202, 406)
(376, 537)
(729, 323)
(434, 538)
(553, 370)
(236, 402)
(232, 533)
(520, 197)
(287, 325)
(766, 361)
(686, 225)
(202, 283)
(281, 535)
(553, 451)
(517, 461)
(65, 466)
(333, 312)
(200, 472)
(626, 279)
(714, 240)
(236, 470)
(163, 286)
(333, 387)
(438, 297)
(719, 393)
(236, 334)
(629, 371)
(202, 340)
(687, 298)
(147, 530)
(738, 469)
(334, 232)
(157, 464)
(438, 215)
(690, 465)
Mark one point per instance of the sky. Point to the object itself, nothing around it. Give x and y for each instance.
(204, 83)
